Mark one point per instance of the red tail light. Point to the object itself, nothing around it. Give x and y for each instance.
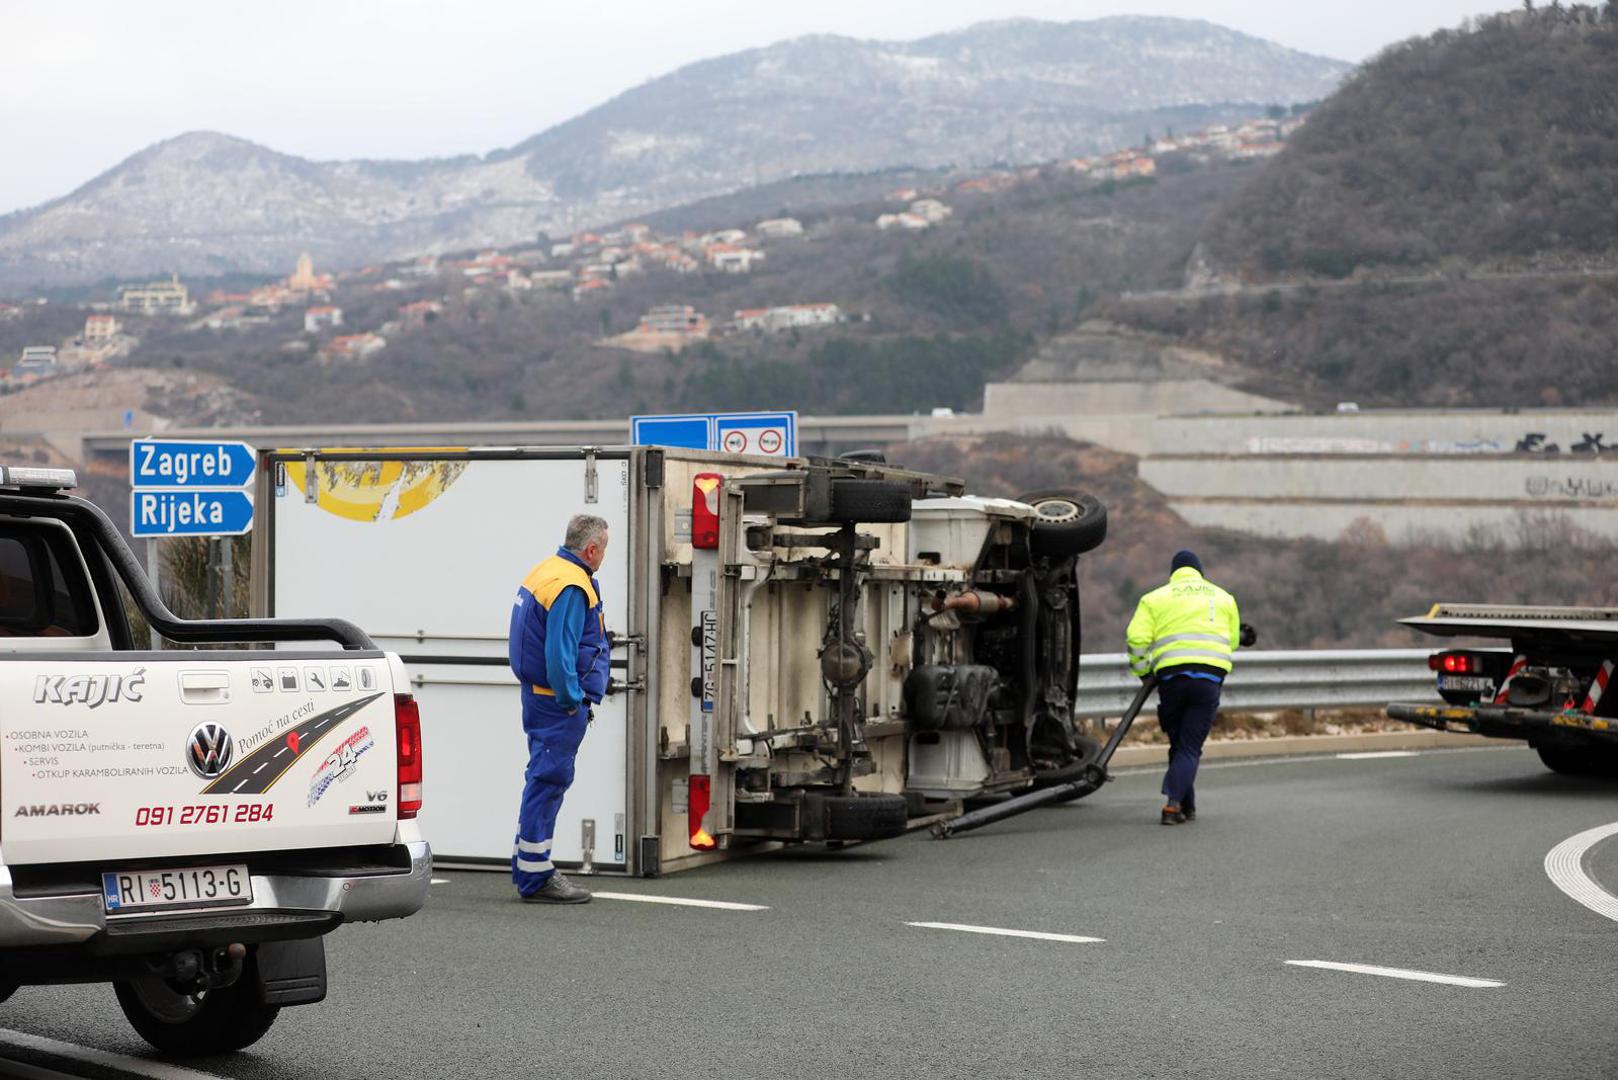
(1455, 663)
(407, 722)
(705, 510)
(699, 793)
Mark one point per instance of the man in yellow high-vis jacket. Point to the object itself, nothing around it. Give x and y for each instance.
(1185, 633)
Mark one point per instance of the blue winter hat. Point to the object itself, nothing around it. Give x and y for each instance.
(1186, 558)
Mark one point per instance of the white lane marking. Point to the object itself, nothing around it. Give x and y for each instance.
(1368, 755)
(438, 881)
(261, 768)
(680, 901)
(1564, 865)
(157, 1070)
(283, 750)
(1038, 935)
(1397, 973)
(21, 1070)
(241, 785)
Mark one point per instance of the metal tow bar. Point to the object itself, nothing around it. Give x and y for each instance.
(1095, 774)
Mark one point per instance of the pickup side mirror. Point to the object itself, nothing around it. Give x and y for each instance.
(1248, 636)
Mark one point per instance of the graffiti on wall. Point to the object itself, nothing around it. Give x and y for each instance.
(1571, 487)
(1532, 442)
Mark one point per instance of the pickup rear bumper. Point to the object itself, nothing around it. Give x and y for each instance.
(1506, 722)
(285, 905)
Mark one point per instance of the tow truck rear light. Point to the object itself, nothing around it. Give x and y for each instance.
(705, 510)
(1456, 663)
(407, 722)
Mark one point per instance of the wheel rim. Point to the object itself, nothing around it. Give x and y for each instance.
(166, 1004)
(1057, 511)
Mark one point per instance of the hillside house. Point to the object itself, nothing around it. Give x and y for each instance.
(732, 258)
(10, 312)
(902, 221)
(722, 236)
(780, 228)
(155, 298)
(551, 279)
(930, 210)
(776, 320)
(353, 346)
(902, 195)
(590, 287)
(316, 319)
(100, 327)
(419, 313)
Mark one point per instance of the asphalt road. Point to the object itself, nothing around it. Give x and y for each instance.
(1431, 862)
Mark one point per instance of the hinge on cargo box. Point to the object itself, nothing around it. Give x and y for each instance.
(653, 471)
(592, 488)
(588, 866)
(311, 483)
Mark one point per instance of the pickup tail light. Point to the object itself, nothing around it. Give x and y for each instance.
(407, 723)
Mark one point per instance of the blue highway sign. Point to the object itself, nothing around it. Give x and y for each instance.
(189, 513)
(770, 434)
(165, 463)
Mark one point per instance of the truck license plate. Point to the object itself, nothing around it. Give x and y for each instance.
(1466, 682)
(188, 886)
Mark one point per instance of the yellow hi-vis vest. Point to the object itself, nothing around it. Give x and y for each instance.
(1188, 621)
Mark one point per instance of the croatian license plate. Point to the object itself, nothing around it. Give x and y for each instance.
(1480, 683)
(187, 886)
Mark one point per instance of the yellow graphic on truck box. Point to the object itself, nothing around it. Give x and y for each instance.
(374, 490)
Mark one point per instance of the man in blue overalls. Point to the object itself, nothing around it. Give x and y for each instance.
(560, 654)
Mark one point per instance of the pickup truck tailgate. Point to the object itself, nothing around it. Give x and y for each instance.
(179, 754)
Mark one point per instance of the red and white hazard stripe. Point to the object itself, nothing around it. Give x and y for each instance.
(1516, 665)
(1598, 686)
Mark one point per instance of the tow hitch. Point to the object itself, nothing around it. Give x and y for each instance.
(1095, 774)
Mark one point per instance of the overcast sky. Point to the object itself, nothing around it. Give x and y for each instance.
(86, 83)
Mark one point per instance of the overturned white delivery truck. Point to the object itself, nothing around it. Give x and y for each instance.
(804, 650)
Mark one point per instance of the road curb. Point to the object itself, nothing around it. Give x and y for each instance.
(1290, 745)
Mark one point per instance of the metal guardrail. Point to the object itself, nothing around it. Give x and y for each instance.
(1267, 681)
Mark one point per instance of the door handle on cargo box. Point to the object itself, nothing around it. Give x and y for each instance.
(205, 687)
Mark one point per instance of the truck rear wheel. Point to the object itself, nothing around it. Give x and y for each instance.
(1579, 760)
(859, 502)
(1066, 523)
(211, 1022)
(854, 817)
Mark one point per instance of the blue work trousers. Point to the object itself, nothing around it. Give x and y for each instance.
(1186, 708)
(553, 747)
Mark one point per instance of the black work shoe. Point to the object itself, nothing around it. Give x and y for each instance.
(558, 890)
(1171, 816)
(1189, 813)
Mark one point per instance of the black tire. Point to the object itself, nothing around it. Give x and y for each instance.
(1579, 760)
(854, 817)
(1067, 523)
(214, 1022)
(857, 502)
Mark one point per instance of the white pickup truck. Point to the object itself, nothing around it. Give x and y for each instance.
(187, 823)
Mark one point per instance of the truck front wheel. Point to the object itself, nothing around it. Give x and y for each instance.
(210, 1022)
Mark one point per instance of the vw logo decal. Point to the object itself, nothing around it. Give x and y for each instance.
(209, 750)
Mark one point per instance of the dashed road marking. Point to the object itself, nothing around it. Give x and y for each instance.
(106, 1059)
(680, 901)
(241, 785)
(438, 881)
(1397, 973)
(1369, 755)
(283, 750)
(1564, 865)
(261, 768)
(999, 931)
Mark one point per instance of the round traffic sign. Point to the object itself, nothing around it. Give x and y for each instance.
(769, 441)
(736, 441)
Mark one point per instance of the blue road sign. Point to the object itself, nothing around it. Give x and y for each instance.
(771, 434)
(690, 432)
(166, 463)
(167, 512)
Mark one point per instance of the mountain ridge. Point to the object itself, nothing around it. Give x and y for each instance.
(1013, 90)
